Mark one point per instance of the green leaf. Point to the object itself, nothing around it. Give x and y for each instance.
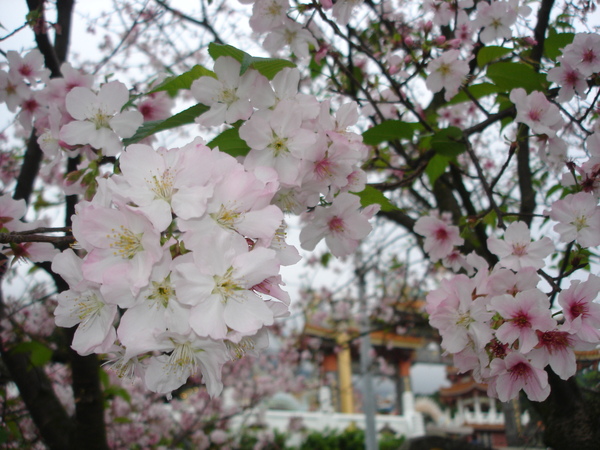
(183, 81)
(371, 196)
(269, 67)
(117, 391)
(555, 42)
(217, 50)
(230, 142)
(436, 167)
(553, 189)
(121, 420)
(182, 118)
(448, 142)
(488, 54)
(510, 75)
(389, 131)
(39, 353)
(477, 91)
(316, 68)
(4, 433)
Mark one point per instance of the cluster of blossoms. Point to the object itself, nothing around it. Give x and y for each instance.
(499, 324)
(316, 159)
(180, 251)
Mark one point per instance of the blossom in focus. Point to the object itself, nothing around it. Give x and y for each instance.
(516, 372)
(584, 53)
(578, 217)
(582, 314)
(188, 354)
(535, 111)
(341, 224)
(440, 237)
(228, 96)
(447, 72)
(570, 80)
(517, 251)
(523, 314)
(98, 120)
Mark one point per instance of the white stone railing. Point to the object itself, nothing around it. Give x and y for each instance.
(410, 424)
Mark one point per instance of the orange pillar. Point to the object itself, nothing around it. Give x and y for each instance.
(344, 360)
(404, 370)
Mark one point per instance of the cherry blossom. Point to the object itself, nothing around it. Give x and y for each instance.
(570, 80)
(516, 372)
(523, 314)
(447, 72)
(98, 120)
(496, 19)
(582, 314)
(440, 237)
(188, 355)
(584, 53)
(228, 96)
(517, 251)
(216, 281)
(535, 111)
(342, 225)
(578, 217)
(122, 245)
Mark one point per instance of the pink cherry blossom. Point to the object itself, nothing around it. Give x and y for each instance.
(556, 349)
(216, 281)
(122, 245)
(277, 140)
(569, 79)
(523, 315)
(459, 317)
(342, 225)
(30, 67)
(188, 355)
(582, 314)
(447, 72)
(83, 305)
(268, 14)
(584, 53)
(440, 237)
(98, 120)
(516, 372)
(292, 34)
(164, 180)
(578, 217)
(535, 111)
(228, 96)
(495, 19)
(517, 251)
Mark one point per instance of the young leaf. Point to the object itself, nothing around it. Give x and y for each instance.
(555, 42)
(389, 131)
(182, 118)
(183, 81)
(269, 67)
(370, 196)
(509, 75)
(477, 91)
(488, 54)
(229, 141)
(448, 142)
(436, 167)
(39, 353)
